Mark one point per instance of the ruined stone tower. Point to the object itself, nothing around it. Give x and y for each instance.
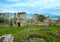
(20, 19)
(15, 17)
(7, 17)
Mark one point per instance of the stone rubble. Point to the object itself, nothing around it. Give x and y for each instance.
(45, 29)
(57, 34)
(34, 37)
(6, 38)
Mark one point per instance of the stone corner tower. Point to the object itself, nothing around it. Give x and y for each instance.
(20, 18)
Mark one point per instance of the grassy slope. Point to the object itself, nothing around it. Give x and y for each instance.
(21, 32)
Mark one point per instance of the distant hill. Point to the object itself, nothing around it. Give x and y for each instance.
(52, 15)
(30, 15)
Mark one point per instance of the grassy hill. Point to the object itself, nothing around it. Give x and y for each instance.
(20, 33)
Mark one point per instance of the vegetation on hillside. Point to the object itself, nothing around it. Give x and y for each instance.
(41, 18)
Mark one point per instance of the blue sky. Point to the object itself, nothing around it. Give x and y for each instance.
(31, 6)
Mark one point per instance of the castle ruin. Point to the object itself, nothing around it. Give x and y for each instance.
(20, 19)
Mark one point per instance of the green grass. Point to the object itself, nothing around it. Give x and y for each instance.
(20, 33)
(39, 40)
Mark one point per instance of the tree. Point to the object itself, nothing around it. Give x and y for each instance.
(41, 18)
(2, 20)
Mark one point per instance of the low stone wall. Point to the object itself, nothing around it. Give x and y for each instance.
(4, 25)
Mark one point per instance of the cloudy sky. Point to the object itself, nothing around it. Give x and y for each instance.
(31, 6)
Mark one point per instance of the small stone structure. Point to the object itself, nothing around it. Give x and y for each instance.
(7, 38)
(36, 22)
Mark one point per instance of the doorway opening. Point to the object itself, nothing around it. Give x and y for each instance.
(18, 23)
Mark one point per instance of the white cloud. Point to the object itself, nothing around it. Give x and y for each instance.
(41, 4)
(6, 10)
(13, 0)
(36, 3)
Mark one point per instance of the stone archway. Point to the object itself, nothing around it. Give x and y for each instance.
(33, 36)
